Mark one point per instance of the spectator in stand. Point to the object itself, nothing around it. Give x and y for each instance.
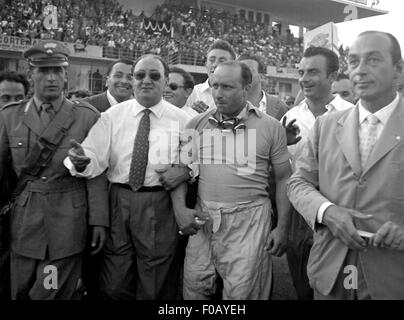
(119, 85)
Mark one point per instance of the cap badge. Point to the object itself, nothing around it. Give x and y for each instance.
(50, 45)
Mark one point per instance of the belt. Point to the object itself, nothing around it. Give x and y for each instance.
(142, 189)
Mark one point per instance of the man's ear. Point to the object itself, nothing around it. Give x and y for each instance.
(399, 69)
(188, 92)
(332, 76)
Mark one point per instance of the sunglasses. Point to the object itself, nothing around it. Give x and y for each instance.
(174, 86)
(155, 76)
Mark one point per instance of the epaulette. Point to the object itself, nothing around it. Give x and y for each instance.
(85, 104)
(13, 104)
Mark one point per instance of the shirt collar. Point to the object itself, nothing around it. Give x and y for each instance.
(205, 85)
(111, 99)
(244, 113)
(157, 109)
(250, 108)
(337, 104)
(263, 102)
(383, 114)
(56, 104)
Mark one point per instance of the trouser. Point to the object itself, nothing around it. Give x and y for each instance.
(45, 279)
(91, 272)
(138, 260)
(5, 274)
(299, 246)
(232, 244)
(344, 287)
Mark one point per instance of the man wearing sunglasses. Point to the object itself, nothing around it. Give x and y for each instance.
(119, 85)
(179, 87)
(131, 141)
(201, 99)
(236, 242)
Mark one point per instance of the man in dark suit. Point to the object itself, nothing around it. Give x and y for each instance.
(119, 84)
(269, 104)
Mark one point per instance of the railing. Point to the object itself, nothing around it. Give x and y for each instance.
(194, 58)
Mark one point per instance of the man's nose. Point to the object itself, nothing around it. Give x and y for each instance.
(51, 76)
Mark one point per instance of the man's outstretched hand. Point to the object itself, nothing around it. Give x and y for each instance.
(77, 156)
(292, 131)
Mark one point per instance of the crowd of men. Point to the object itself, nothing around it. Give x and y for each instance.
(160, 188)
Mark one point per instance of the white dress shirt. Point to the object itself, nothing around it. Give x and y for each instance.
(202, 92)
(383, 115)
(305, 118)
(112, 101)
(263, 103)
(110, 142)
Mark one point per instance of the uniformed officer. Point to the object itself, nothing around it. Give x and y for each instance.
(49, 220)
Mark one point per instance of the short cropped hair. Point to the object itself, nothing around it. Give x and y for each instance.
(246, 74)
(395, 49)
(261, 65)
(223, 45)
(330, 56)
(341, 76)
(124, 61)
(155, 56)
(189, 82)
(12, 76)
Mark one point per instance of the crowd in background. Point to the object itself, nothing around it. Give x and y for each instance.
(106, 23)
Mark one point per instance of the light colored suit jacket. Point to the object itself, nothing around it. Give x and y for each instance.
(329, 169)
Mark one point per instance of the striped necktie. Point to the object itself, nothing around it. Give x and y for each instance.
(140, 152)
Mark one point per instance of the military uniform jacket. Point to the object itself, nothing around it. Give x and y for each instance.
(51, 215)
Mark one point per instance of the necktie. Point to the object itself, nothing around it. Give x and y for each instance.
(46, 113)
(140, 152)
(368, 138)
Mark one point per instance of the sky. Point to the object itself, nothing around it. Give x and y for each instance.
(391, 22)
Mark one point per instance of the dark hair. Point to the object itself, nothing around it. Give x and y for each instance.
(330, 56)
(155, 56)
(246, 75)
(395, 49)
(189, 82)
(261, 65)
(124, 61)
(341, 76)
(223, 45)
(12, 76)
(79, 94)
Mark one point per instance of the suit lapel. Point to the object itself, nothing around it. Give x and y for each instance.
(272, 107)
(32, 119)
(348, 139)
(392, 135)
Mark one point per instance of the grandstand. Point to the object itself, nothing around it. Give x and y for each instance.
(179, 30)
